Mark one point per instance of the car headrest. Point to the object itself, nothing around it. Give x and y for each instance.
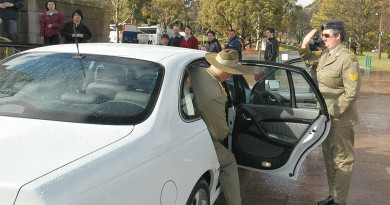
(110, 75)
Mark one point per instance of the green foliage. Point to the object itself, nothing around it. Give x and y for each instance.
(128, 11)
(296, 23)
(288, 47)
(245, 16)
(358, 16)
(164, 12)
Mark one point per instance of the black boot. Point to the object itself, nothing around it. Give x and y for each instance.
(327, 201)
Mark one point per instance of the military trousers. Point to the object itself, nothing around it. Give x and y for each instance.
(338, 150)
(228, 175)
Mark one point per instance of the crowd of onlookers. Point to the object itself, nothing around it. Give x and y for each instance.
(53, 27)
(51, 23)
(190, 41)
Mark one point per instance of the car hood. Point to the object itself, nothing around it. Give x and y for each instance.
(31, 148)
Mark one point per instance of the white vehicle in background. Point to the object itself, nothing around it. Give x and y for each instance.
(152, 34)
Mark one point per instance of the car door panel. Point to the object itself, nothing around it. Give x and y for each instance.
(281, 125)
(270, 132)
(280, 122)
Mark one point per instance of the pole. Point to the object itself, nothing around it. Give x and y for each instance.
(117, 21)
(380, 38)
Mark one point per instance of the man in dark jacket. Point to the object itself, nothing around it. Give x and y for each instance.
(9, 13)
(213, 45)
(271, 50)
(234, 43)
(176, 39)
(75, 29)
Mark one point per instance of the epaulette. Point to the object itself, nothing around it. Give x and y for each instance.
(347, 50)
(353, 57)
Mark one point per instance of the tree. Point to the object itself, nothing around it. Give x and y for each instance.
(247, 17)
(164, 12)
(358, 16)
(297, 22)
(385, 10)
(123, 10)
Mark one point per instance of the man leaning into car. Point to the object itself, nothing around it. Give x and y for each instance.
(211, 100)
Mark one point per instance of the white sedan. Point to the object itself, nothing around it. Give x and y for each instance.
(118, 124)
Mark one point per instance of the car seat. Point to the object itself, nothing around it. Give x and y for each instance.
(108, 81)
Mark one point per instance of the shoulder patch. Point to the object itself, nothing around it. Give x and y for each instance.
(353, 58)
(353, 77)
(318, 53)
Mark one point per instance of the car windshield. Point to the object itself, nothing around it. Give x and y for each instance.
(94, 89)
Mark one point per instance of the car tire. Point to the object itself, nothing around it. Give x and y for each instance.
(200, 195)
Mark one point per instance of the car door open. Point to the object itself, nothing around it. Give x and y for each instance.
(280, 121)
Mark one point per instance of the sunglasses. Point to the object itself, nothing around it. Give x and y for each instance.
(326, 35)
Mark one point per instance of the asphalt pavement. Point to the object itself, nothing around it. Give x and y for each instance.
(371, 177)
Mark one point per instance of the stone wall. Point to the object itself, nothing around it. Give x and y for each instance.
(96, 18)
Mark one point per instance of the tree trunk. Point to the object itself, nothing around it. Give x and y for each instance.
(360, 48)
(243, 43)
(117, 22)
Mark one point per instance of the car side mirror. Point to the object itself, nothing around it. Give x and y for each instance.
(272, 85)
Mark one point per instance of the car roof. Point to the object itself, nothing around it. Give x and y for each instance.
(154, 53)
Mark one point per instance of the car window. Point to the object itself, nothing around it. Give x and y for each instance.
(272, 89)
(304, 95)
(187, 104)
(95, 89)
(277, 87)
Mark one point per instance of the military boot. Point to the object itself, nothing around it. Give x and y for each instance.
(327, 201)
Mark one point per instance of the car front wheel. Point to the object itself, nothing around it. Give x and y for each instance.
(200, 195)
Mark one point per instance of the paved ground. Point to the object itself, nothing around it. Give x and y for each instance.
(371, 178)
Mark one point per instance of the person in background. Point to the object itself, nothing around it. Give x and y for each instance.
(165, 39)
(189, 41)
(176, 39)
(271, 51)
(75, 29)
(9, 13)
(212, 45)
(50, 24)
(339, 81)
(234, 43)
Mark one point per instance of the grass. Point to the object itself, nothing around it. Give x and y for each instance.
(383, 64)
(287, 47)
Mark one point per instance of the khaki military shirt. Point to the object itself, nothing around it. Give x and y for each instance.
(211, 101)
(339, 81)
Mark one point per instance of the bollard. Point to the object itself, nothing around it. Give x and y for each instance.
(368, 61)
(259, 55)
(368, 66)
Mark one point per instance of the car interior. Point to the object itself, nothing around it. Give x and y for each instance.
(118, 83)
(94, 87)
(271, 117)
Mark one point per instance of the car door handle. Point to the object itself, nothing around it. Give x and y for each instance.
(245, 117)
